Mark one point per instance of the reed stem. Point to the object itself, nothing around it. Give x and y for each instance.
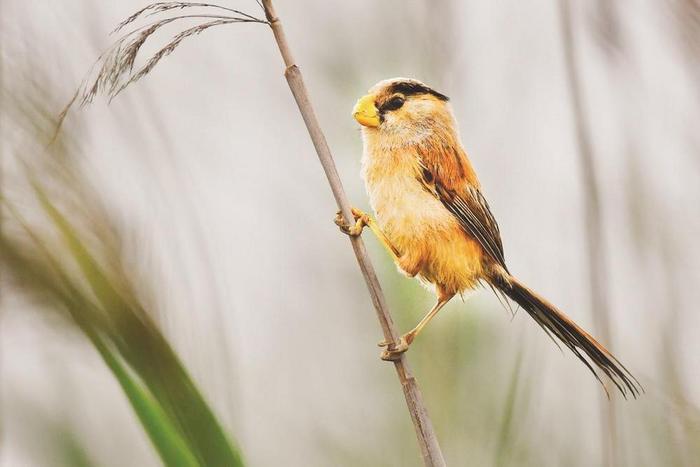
(427, 440)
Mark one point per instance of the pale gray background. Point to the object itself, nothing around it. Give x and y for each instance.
(207, 162)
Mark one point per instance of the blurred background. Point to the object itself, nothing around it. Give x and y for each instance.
(198, 191)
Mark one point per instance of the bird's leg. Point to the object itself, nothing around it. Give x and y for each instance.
(363, 219)
(393, 352)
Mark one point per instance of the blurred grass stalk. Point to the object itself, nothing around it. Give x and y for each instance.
(595, 241)
(50, 259)
(177, 419)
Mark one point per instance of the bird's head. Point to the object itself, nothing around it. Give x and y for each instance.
(402, 108)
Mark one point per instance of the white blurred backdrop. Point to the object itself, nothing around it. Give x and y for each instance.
(227, 220)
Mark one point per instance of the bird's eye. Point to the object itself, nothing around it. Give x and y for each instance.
(394, 103)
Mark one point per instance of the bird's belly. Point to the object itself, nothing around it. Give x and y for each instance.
(431, 242)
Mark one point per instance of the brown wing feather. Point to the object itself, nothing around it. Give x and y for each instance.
(448, 174)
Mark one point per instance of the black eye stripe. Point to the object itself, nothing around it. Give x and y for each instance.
(394, 103)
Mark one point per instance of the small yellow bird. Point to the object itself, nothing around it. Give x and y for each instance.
(434, 220)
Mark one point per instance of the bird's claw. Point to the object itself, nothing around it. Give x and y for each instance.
(358, 214)
(344, 227)
(361, 220)
(394, 350)
(339, 220)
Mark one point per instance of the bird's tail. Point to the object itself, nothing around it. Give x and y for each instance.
(553, 321)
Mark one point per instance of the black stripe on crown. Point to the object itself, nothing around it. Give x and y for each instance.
(410, 88)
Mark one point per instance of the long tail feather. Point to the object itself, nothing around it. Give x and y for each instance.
(556, 323)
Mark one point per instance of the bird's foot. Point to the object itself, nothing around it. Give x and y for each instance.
(394, 350)
(361, 220)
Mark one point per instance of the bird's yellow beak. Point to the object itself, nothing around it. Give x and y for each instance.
(365, 112)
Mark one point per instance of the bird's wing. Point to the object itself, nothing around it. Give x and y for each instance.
(449, 176)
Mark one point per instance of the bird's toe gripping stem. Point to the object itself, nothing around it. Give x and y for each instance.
(393, 351)
(361, 220)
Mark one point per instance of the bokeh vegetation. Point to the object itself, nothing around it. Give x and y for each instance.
(84, 272)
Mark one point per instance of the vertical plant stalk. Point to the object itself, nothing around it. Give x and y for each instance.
(427, 440)
(595, 242)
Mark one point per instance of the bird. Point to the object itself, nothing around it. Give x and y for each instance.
(433, 219)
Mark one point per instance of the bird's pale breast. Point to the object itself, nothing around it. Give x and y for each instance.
(429, 238)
